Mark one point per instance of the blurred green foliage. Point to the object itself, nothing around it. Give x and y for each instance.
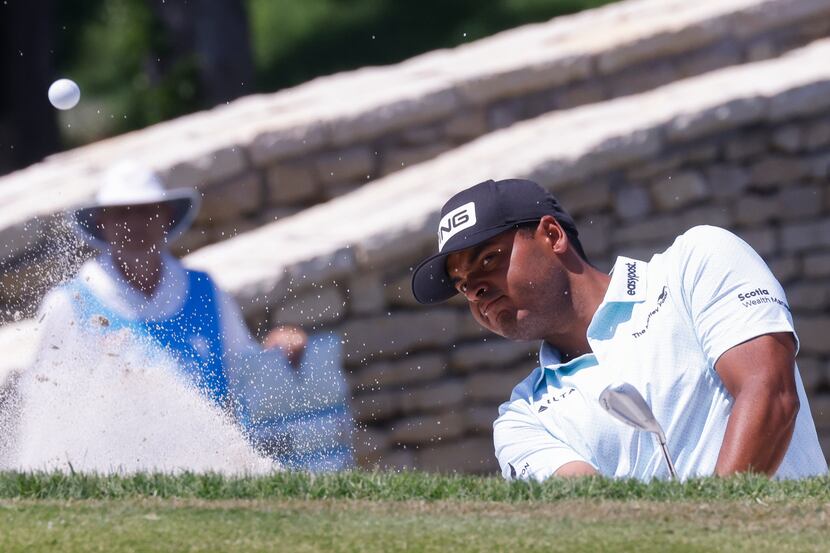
(110, 47)
(295, 41)
(114, 48)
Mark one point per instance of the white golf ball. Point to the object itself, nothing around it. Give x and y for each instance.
(64, 94)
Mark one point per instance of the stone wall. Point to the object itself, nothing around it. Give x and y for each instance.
(745, 148)
(270, 156)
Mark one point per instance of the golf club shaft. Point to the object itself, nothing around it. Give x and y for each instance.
(668, 459)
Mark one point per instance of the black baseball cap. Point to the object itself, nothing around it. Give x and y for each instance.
(476, 215)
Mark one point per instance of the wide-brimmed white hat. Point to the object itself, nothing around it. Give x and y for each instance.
(127, 184)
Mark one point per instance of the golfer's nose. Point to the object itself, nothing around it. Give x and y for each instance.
(476, 289)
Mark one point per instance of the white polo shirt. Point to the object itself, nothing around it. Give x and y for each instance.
(661, 327)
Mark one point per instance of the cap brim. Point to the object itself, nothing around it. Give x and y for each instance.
(185, 204)
(430, 281)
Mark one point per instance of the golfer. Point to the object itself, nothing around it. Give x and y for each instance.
(702, 330)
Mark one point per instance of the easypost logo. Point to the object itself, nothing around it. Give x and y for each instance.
(631, 284)
(455, 221)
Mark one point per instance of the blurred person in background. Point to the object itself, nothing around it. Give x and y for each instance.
(299, 412)
(136, 284)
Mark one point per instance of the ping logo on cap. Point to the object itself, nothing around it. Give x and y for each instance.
(455, 221)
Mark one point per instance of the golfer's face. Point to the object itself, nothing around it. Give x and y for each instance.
(135, 228)
(485, 275)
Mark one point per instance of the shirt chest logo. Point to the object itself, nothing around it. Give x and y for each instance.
(554, 398)
(661, 299)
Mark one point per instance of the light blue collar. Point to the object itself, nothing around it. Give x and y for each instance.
(551, 362)
(628, 285)
(628, 282)
(549, 357)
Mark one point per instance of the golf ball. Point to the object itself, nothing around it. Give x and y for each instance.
(64, 94)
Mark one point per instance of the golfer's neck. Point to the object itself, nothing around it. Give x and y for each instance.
(587, 292)
(141, 270)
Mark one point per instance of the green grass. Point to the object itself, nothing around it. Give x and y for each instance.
(446, 526)
(409, 511)
(403, 486)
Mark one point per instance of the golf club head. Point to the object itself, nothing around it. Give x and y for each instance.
(625, 403)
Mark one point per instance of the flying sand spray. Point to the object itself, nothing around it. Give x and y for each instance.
(107, 403)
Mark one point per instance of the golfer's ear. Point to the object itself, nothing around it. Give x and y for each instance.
(555, 234)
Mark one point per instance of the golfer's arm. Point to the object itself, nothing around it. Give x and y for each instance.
(760, 376)
(575, 468)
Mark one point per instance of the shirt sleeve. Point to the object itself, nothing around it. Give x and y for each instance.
(728, 291)
(524, 448)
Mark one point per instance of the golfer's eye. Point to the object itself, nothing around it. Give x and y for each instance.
(462, 287)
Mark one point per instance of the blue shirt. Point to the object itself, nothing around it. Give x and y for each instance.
(192, 335)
